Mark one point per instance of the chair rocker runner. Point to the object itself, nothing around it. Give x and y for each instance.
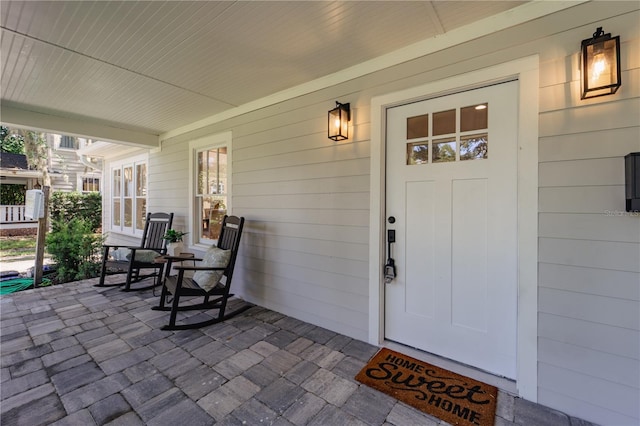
(211, 279)
(132, 260)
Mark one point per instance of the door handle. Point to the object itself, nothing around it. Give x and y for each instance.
(390, 267)
(389, 271)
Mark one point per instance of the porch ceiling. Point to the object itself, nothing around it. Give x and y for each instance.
(152, 67)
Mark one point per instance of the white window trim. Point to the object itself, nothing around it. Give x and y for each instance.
(119, 164)
(59, 146)
(80, 177)
(217, 140)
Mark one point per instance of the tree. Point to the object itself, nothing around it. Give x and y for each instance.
(444, 151)
(37, 151)
(10, 141)
(32, 144)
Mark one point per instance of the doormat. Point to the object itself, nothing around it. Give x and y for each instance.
(451, 397)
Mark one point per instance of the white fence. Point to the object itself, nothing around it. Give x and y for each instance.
(13, 214)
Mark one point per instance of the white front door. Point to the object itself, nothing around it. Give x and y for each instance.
(452, 189)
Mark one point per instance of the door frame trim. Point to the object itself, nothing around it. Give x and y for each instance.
(526, 71)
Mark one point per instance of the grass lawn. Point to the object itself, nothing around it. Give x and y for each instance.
(17, 246)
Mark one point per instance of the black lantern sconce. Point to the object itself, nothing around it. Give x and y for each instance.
(600, 64)
(339, 122)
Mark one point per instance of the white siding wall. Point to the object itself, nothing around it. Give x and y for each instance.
(306, 198)
(306, 201)
(589, 247)
(307, 250)
(168, 183)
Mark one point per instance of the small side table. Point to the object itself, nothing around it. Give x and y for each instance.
(169, 260)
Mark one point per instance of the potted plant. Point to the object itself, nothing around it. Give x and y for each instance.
(174, 241)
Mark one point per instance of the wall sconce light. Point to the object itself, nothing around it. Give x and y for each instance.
(339, 122)
(600, 63)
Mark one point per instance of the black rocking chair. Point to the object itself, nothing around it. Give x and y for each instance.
(132, 260)
(220, 258)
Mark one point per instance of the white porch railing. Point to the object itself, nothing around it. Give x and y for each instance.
(13, 214)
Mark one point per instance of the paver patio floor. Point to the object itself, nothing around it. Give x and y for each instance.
(78, 355)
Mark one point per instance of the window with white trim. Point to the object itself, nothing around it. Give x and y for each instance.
(129, 195)
(211, 183)
(68, 142)
(89, 183)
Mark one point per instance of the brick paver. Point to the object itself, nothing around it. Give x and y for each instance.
(74, 354)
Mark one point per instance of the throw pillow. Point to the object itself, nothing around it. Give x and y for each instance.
(214, 257)
(145, 256)
(120, 254)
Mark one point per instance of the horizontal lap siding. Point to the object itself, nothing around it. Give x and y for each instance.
(306, 200)
(168, 182)
(306, 203)
(589, 247)
(605, 402)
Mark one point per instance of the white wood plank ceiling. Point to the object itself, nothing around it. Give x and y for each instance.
(154, 66)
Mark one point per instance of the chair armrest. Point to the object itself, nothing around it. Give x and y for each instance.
(180, 258)
(200, 268)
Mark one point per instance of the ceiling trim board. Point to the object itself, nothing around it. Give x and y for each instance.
(510, 18)
(75, 127)
(106, 150)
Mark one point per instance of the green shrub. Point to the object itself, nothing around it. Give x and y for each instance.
(75, 249)
(12, 194)
(70, 205)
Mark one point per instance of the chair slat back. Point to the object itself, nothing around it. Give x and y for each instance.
(230, 240)
(154, 229)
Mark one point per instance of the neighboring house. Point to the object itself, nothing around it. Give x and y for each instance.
(14, 170)
(125, 188)
(69, 171)
(523, 264)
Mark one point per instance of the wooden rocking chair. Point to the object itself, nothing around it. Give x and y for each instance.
(212, 279)
(132, 260)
